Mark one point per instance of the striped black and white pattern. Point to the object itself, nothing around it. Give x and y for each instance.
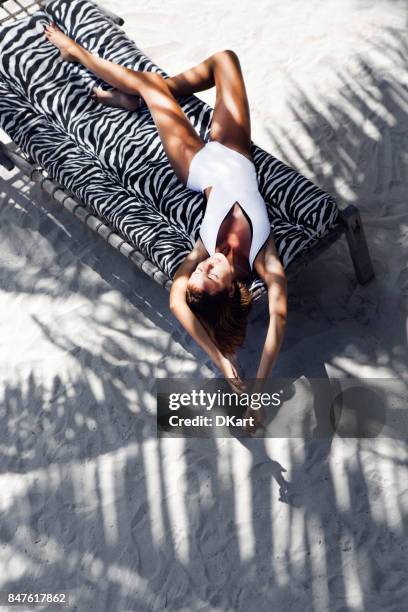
(113, 159)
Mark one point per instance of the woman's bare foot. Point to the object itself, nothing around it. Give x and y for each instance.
(60, 40)
(116, 98)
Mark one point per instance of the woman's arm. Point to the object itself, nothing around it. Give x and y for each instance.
(271, 271)
(181, 310)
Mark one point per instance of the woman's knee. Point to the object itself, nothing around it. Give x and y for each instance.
(227, 55)
(154, 87)
(151, 79)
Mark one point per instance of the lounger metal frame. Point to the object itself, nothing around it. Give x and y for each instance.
(349, 220)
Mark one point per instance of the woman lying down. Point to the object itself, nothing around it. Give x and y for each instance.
(209, 295)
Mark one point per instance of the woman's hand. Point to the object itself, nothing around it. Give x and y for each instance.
(256, 417)
(257, 420)
(231, 374)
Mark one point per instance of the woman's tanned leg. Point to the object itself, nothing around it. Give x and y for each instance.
(125, 79)
(192, 80)
(198, 78)
(231, 123)
(180, 140)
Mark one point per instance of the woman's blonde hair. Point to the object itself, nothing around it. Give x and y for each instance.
(223, 317)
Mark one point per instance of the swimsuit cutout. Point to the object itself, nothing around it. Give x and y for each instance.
(232, 177)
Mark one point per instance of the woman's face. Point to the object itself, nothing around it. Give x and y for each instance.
(212, 275)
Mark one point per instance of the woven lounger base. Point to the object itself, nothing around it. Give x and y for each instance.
(349, 224)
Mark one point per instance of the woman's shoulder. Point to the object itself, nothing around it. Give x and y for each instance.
(196, 255)
(268, 259)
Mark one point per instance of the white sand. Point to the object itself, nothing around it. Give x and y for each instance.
(91, 501)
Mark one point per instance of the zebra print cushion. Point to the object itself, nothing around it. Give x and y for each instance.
(113, 159)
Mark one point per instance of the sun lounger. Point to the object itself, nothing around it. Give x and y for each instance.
(108, 166)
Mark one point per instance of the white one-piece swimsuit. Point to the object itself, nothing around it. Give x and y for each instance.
(232, 177)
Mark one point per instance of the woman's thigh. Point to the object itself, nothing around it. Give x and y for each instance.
(231, 123)
(180, 140)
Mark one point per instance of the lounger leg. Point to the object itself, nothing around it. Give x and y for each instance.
(357, 244)
(112, 16)
(4, 159)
